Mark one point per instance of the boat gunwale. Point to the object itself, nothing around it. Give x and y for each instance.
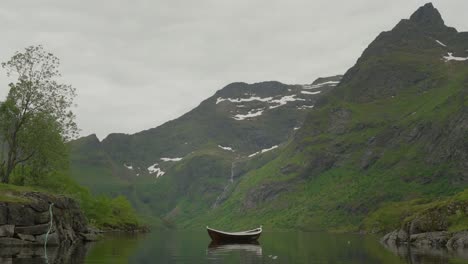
(251, 232)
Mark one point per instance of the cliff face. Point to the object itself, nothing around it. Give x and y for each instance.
(27, 221)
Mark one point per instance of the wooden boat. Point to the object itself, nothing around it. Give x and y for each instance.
(239, 237)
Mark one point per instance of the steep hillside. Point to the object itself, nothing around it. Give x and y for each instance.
(395, 129)
(191, 160)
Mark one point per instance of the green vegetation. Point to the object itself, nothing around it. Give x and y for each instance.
(35, 124)
(370, 143)
(395, 215)
(393, 134)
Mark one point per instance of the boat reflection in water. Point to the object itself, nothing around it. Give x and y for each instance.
(235, 253)
(222, 248)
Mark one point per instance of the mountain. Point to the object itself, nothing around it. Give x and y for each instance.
(192, 156)
(380, 144)
(393, 132)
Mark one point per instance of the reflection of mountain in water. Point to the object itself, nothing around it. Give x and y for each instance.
(421, 255)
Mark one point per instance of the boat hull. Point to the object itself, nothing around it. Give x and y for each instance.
(219, 237)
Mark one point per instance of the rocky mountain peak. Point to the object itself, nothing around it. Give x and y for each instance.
(427, 16)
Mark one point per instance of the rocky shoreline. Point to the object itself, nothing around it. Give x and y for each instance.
(27, 223)
(450, 240)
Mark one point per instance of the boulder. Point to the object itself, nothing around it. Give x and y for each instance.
(3, 214)
(32, 230)
(26, 237)
(52, 239)
(9, 241)
(430, 222)
(20, 215)
(430, 239)
(6, 260)
(27, 223)
(397, 237)
(39, 201)
(7, 230)
(88, 237)
(458, 240)
(42, 218)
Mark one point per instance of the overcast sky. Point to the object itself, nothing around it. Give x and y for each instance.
(138, 64)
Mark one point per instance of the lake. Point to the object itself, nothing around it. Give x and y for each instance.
(273, 247)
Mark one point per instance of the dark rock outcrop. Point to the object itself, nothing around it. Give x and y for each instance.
(436, 239)
(27, 223)
(458, 240)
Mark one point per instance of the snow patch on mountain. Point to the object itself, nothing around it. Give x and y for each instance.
(450, 57)
(263, 151)
(311, 93)
(284, 100)
(305, 107)
(171, 159)
(155, 169)
(250, 114)
(240, 100)
(440, 43)
(320, 85)
(226, 148)
(278, 102)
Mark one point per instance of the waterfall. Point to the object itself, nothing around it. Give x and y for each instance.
(232, 171)
(226, 187)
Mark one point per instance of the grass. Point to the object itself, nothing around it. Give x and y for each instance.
(329, 188)
(348, 197)
(396, 214)
(12, 193)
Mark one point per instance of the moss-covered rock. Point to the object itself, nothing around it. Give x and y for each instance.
(21, 226)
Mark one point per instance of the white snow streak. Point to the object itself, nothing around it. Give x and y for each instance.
(450, 57)
(440, 43)
(284, 100)
(226, 148)
(171, 159)
(240, 100)
(250, 114)
(305, 107)
(263, 151)
(130, 167)
(319, 85)
(154, 169)
(311, 93)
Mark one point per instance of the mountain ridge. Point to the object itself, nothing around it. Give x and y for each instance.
(394, 128)
(238, 122)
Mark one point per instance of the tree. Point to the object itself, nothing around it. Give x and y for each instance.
(35, 113)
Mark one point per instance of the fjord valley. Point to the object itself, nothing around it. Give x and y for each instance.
(200, 156)
(324, 156)
(366, 166)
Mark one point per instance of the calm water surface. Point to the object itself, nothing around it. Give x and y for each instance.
(273, 247)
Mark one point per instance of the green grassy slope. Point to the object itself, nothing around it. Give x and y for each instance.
(395, 129)
(119, 164)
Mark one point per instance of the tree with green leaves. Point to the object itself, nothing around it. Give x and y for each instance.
(36, 118)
